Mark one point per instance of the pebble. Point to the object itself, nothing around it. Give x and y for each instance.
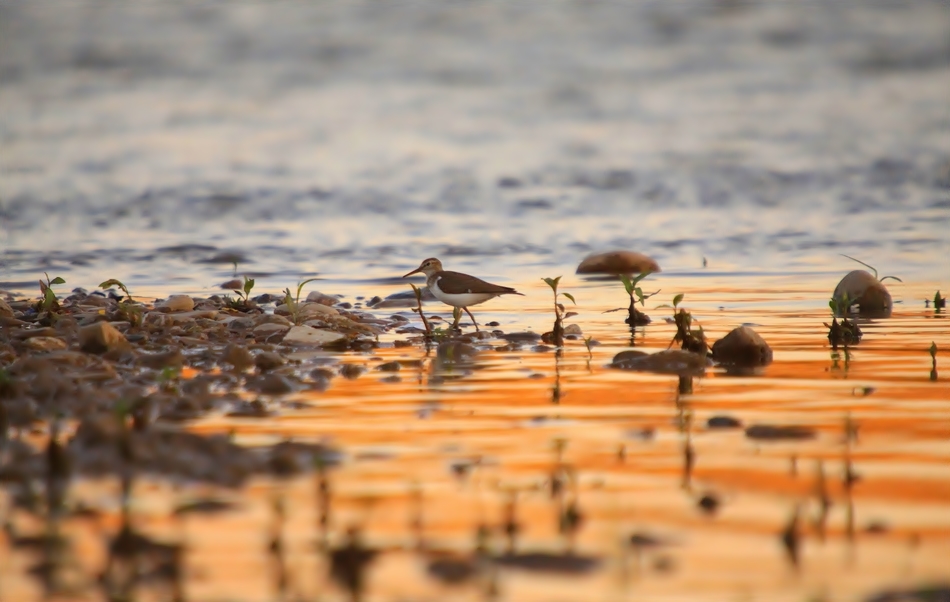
(265, 331)
(100, 338)
(45, 344)
(268, 360)
(723, 422)
(5, 309)
(307, 335)
(618, 262)
(351, 371)
(389, 367)
(572, 329)
(318, 297)
(271, 384)
(159, 361)
(238, 356)
(235, 284)
(671, 361)
(177, 303)
(742, 347)
(776, 433)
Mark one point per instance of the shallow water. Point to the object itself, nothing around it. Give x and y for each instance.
(157, 143)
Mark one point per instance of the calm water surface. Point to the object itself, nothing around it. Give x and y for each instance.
(158, 142)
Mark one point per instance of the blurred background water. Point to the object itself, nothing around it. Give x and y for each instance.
(158, 141)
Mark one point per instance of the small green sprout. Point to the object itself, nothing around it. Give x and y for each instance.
(557, 334)
(933, 350)
(293, 302)
(113, 282)
(873, 269)
(588, 342)
(939, 302)
(636, 293)
(49, 302)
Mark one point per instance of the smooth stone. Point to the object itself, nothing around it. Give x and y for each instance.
(268, 360)
(671, 361)
(238, 356)
(521, 337)
(96, 301)
(178, 303)
(742, 347)
(271, 384)
(181, 317)
(572, 329)
(322, 299)
(269, 329)
(307, 335)
(159, 361)
(351, 371)
(311, 310)
(5, 309)
(100, 338)
(45, 344)
(235, 284)
(271, 319)
(389, 367)
(777, 433)
(865, 291)
(723, 422)
(618, 262)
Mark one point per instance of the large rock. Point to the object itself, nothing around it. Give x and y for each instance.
(5, 309)
(865, 291)
(742, 347)
(311, 337)
(671, 361)
(322, 299)
(618, 262)
(101, 337)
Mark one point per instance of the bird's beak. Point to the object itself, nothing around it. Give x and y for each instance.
(415, 271)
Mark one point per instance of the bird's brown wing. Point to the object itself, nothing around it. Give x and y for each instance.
(456, 283)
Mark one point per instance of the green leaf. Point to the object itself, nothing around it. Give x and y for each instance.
(110, 283)
(248, 285)
(570, 296)
(302, 284)
(552, 282)
(627, 284)
(57, 280)
(677, 299)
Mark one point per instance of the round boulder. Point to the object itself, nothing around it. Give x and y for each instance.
(742, 347)
(618, 262)
(867, 292)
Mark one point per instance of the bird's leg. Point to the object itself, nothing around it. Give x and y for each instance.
(458, 317)
(472, 317)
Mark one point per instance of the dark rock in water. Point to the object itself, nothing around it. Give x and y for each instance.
(521, 337)
(768, 432)
(452, 570)
(509, 182)
(742, 347)
(235, 284)
(546, 562)
(861, 288)
(267, 298)
(389, 367)
(932, 593)
(618, 262)
(454, 352)
(709, 503)
(351, 371)
(645, 540)
(102, 447)
(671, 361)
(723, 422)
(372, 302)
(270, 384)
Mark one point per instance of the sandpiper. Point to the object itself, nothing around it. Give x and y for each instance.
(457, 289)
